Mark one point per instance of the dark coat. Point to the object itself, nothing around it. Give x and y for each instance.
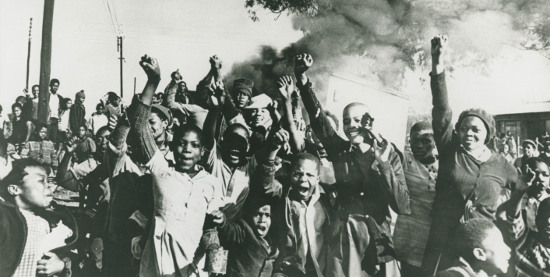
(465, 187)
(13, 235)
(363, 189)
(248, 256)
(77, 117)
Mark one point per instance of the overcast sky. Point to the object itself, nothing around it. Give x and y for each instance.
(179, 33)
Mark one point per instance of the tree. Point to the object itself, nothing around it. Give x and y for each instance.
(306, 7)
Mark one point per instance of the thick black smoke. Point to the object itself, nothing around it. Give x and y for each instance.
(382, 40)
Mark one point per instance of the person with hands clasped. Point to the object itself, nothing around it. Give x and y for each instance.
(369, 180)
(471, 178)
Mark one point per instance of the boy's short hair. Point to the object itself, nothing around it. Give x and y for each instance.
(32, 88)
(470, 235)
(16, 175)
(421, 126)
(306, 156)
(54, 81)
(180, 131)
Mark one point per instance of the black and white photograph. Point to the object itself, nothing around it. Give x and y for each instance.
(275, 138)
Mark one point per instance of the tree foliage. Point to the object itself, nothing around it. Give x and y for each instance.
(306, 7)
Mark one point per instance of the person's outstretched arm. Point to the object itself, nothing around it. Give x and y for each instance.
(138, 112)
(214, 74)
(286, 88)
(211, 124)
(320, 124)
(441, 112)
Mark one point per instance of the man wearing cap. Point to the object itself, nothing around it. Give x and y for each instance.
(529, 150)
(242, 92)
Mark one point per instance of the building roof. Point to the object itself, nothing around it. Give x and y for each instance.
(522, 108)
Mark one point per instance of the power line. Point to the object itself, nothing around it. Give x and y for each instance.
(112, 17)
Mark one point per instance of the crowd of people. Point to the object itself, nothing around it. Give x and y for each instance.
(235, 182)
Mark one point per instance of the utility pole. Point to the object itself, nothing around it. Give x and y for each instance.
(134, 85)
(119, 49)
(45, 62)
(28, 57)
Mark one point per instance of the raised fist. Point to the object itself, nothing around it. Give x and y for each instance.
(218, 217)
(280, 138)
(215, 63)
(286, 86)
(151, 67)
(302, 63)
(439, 44)
(366, 121)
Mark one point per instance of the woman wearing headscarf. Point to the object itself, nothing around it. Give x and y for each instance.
(471, 178)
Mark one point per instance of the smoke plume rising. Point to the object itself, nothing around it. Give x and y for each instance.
(388, 41)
